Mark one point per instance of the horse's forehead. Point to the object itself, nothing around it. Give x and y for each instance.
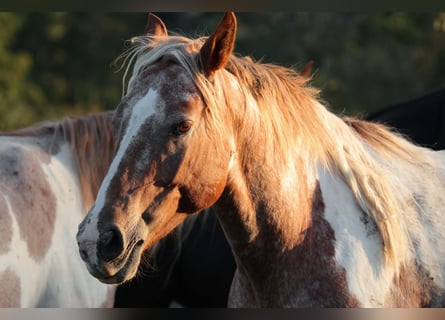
(159, 96)
(27, 194)
(173, 83)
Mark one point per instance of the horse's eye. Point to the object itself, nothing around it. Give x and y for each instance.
(182, 128)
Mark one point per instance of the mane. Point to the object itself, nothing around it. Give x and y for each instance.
(92, 144)
(92, 141)
(293, 117)
(361, 153)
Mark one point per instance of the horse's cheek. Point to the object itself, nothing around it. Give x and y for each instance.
(197, 198)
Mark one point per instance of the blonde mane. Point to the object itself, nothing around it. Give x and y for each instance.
(358, 151)
(289, 115)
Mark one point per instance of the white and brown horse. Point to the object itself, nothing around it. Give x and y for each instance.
(319, 210)
(49, 177)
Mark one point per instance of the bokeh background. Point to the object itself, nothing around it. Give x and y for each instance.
(58, 64)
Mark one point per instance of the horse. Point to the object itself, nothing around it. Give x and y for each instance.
(422, 119)
(49, 177)
(319, 210)
(204, 266)
(50, 174)
(194, 266)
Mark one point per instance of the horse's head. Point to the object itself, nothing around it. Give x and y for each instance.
(170, 160)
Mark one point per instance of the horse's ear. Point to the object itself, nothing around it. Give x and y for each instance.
(306, 72)
(216, 51)
(155, 27)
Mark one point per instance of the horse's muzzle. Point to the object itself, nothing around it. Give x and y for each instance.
(112, 263)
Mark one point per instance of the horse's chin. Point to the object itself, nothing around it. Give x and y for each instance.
(126, 270)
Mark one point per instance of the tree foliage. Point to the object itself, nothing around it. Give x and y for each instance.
(55, 64)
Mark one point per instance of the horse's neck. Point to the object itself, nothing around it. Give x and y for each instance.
(267, 212)
(274, 214)
(270, 231)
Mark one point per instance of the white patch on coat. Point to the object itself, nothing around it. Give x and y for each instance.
(141, 111)
(356, 250)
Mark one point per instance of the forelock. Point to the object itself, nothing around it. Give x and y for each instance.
(145, 51)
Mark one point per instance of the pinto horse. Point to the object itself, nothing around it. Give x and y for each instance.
(49, 177)
(318, 210)
(201, 272)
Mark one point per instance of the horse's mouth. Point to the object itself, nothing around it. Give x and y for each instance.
(125, 267)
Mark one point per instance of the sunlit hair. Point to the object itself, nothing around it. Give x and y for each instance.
(283, 113)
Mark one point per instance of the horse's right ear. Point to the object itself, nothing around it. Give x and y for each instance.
(155, 27)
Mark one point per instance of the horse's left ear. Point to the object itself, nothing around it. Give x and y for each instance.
(306, 72)
(216, 51)
(155, 27)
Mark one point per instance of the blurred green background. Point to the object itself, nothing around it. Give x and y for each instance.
(57, 64)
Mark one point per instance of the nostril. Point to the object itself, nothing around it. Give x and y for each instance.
(111, 243)
(110, 237)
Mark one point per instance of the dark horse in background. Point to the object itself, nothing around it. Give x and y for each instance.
(195, 272)
(198, 271)
(421, 119)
